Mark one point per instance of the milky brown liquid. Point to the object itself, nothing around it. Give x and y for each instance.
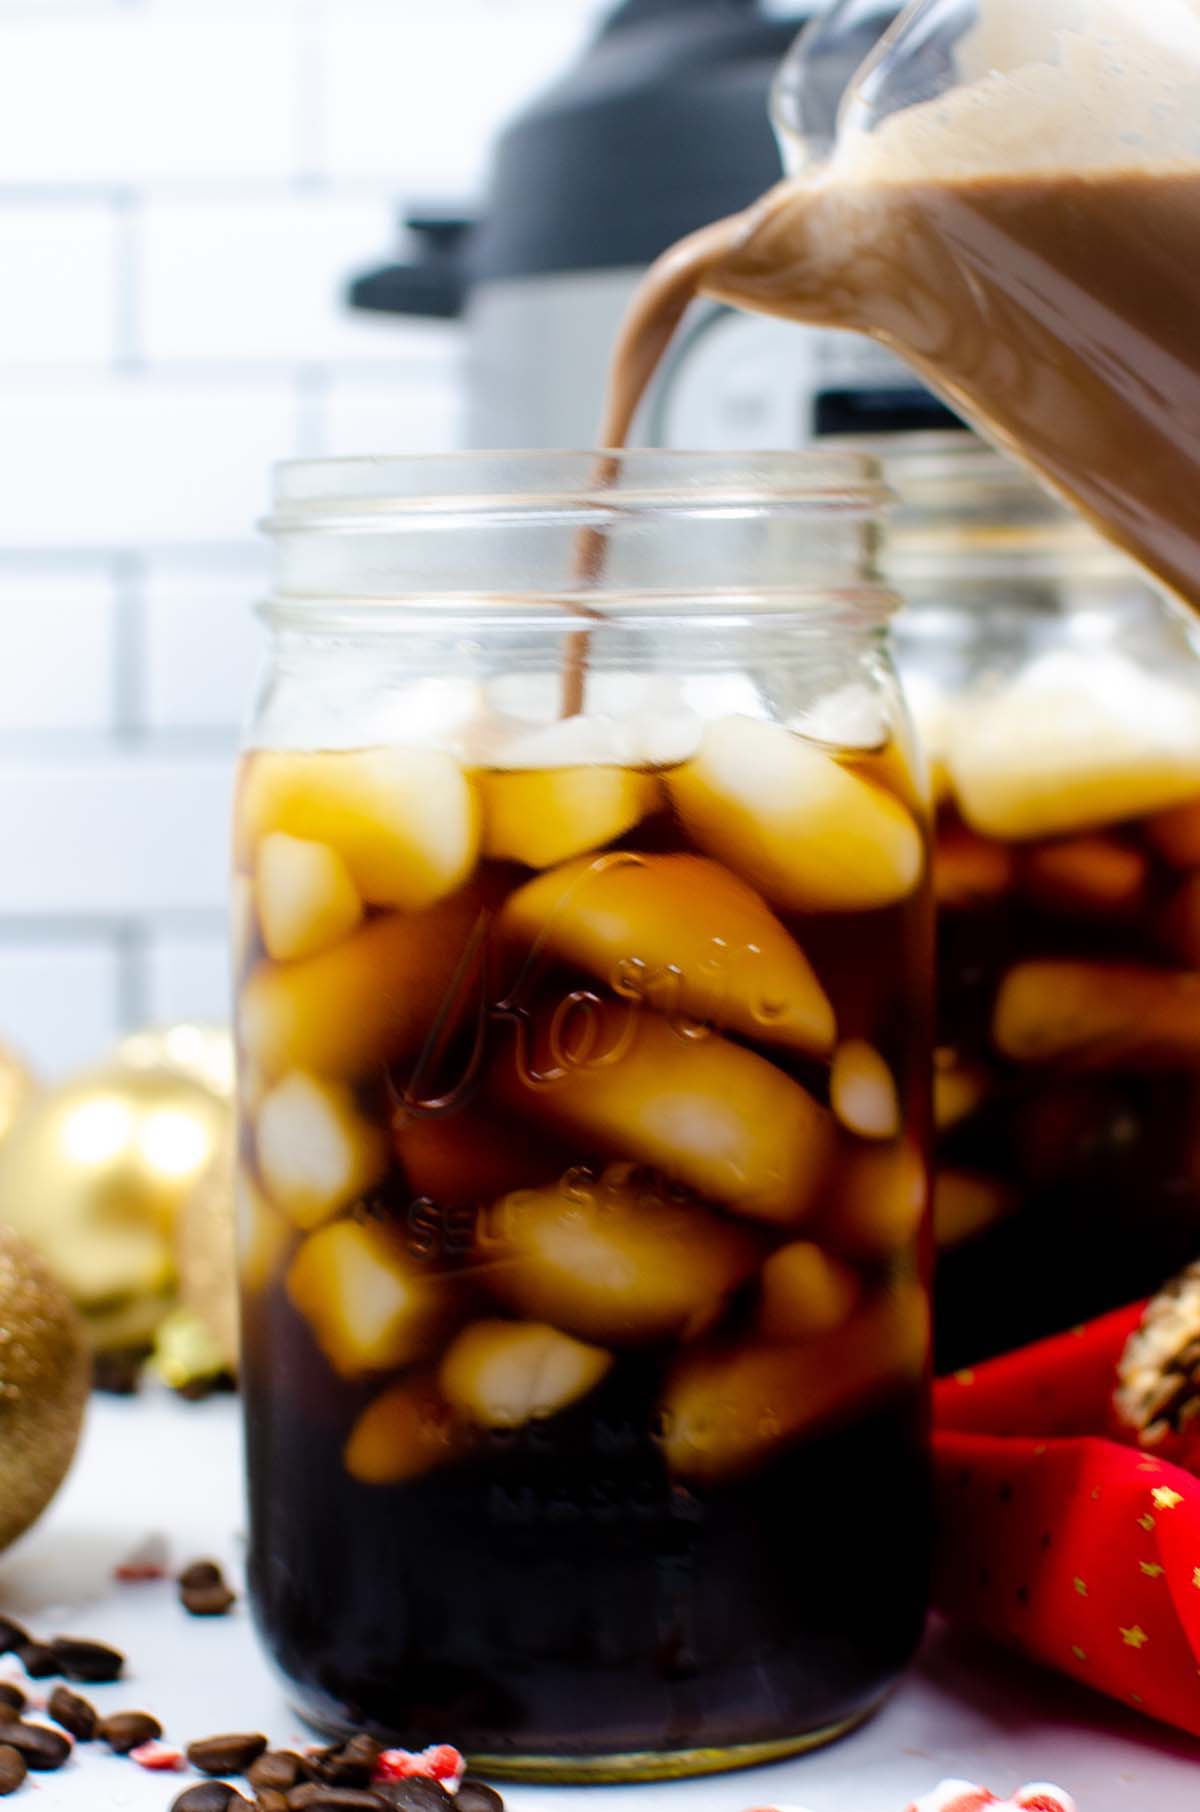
(1060, 312)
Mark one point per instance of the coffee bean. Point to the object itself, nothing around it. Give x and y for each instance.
(73, 1713)
(11, 1695)
(207, 1796)
(13, 1769)
(207, 1601)
(477, 1796)
(38, 1659)
(92, 1662)
(12, 1636)
(9, 1714)
(226, 1754)
(271, 1799)
(416, 1794)
(349, 1764)
(278, 1771)
(200, 1573)
(41, 1747)
(321, 1796)
(127, 1730)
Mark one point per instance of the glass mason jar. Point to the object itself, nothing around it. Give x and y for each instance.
(1059, 696)
(584, 967)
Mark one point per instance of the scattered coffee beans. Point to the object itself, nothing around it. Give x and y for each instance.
(207, 1796)
(127, 1730)
(41, 1747)
(94, 1663)
(278, 1771)
(415, 1795)
(38, 1659)
(270, 1799)
(11, 1695)
(12, 1769)
(477, 1796)
(226, 1754)
(73, 1713)
(200, 1573)
(322, 1796)
(12, 1636)
(349, 1764)
(9, 1714)
(207, 1601)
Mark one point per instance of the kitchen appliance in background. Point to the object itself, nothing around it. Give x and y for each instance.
(662, 126)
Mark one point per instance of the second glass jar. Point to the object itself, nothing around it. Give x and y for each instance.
(1059, 697)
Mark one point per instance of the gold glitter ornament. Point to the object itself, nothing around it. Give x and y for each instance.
(45, 1373)
(95, 1174)
(17, 1089)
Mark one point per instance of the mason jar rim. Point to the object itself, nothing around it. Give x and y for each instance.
(359, 494)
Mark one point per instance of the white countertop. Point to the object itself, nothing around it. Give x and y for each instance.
(154, 1464)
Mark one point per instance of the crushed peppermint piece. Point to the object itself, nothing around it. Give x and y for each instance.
(148, 1560)
(159, 1758)
(965, 1796)
(440, 1762)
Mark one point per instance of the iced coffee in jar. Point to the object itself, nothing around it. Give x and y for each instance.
(1058, 695)
(584, 977)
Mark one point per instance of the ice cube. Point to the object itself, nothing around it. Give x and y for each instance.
(966, 1203)
(1072, 745)
(405, 1432)
(877, 1200)
(404, 820)
(367, 1001)
(370, 1306)
(684, 935)
(316, 1151)
(805, 1292)
(726, 1409)
(545, 816)
(618, 1259)
(1086, 877)
(700, 1109)
(808, 832)
(264, 1236)
(1100, 1016)
(502, 1374)
(862, 1091)
(306, 899)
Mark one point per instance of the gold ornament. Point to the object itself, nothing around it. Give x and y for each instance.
(207, 1257)
(198, 1050)
(45, 1371)
(95, 1175)
(17, 1089)
(186, 1355)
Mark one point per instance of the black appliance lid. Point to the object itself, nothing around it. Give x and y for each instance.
(660, 127)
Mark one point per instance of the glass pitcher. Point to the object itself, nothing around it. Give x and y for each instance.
(1008, 203)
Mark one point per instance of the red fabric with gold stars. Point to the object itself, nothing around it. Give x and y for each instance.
(1079, 1551)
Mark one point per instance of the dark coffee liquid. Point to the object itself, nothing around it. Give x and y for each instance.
(688, 1556)
(1059, 312)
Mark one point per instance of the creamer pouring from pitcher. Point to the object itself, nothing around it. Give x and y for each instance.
(1012, 204)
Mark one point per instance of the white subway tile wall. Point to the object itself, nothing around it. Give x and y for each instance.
(185, 186)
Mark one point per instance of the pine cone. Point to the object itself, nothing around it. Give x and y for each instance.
(1157, 1399)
